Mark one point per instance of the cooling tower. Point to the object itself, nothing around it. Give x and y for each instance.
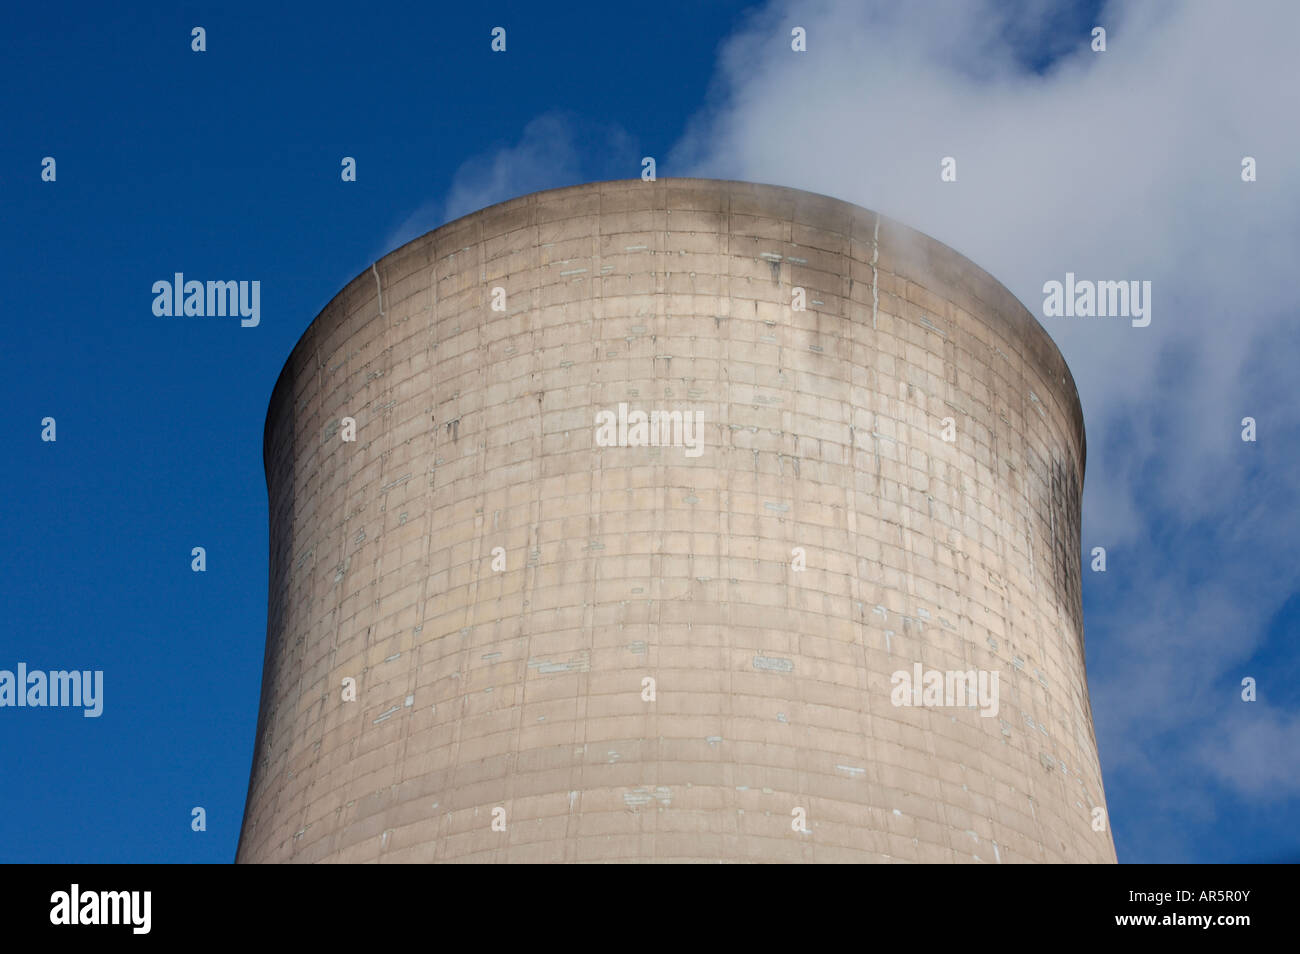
(682, 520)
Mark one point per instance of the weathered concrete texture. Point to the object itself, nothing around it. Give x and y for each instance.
(522, 689)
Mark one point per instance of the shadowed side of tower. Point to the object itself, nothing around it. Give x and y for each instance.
(567, 648)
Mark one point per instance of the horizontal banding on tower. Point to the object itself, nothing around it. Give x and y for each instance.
(887, 478)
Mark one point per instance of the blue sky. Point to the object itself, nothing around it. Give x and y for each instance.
(226, 163)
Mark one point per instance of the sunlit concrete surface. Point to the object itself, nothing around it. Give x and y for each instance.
(520, 694)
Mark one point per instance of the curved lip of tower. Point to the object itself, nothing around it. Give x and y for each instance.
(1071, 392)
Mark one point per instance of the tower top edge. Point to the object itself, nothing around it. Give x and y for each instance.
(919, 253)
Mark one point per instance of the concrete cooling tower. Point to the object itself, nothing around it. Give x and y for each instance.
(682, 520)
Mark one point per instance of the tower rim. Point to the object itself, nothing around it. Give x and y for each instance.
(1068, 388)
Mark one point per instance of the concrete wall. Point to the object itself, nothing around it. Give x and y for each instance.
(523, 689)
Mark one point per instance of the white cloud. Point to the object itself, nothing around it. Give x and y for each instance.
(1255, 751)
(554, 150)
